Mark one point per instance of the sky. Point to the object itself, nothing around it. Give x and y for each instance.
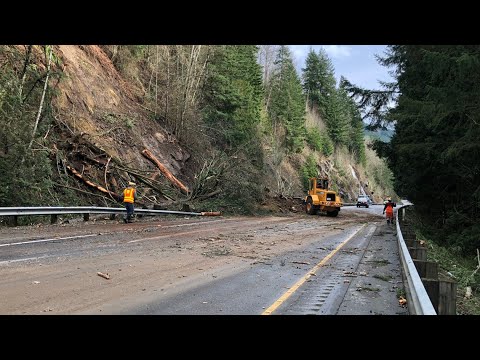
(355, 62)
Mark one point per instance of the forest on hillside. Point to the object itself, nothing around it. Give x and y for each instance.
(435, 151)
(255, 126)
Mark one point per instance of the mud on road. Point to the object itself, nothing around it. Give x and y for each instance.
(144, 259)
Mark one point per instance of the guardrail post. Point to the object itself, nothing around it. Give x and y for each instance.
(112, 216)
(432, 288)
(53, 219)
(411, 241)
(13, 220)
(447, 301)
(86, 216)
(426, 269)
(418, 253)
(442, 294)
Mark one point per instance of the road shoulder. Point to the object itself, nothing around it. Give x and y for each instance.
(377, 283)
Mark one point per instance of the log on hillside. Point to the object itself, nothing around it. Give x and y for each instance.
(88, 182)
(98, 187)
(148, 154)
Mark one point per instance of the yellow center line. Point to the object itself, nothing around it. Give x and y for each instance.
(300, 282)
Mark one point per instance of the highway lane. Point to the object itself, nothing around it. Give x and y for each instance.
(234, 265)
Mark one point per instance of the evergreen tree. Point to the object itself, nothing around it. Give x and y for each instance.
(287, 103)
(318, 79)
(233, 96)
(327, 144)
(338, 116)
(311, 79)
(435, 153)
(319, 86)
(355, 136)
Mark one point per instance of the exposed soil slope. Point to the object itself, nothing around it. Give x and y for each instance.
(102, 117)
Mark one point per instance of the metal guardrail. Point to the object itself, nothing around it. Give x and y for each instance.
(417, 298)
(58, 210)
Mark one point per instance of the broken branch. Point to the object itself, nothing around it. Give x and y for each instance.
(105, 276)
(88, 182)
(301, 262)
(105, 176)
(82, 191)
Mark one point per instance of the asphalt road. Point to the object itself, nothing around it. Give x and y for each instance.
(296, 264)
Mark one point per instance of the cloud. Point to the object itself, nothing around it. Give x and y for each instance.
(300, 51)
(338, 51)
(355, 62)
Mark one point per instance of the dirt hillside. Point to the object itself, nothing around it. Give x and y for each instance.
(102, 117)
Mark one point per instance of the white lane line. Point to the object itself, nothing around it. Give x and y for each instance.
(6, 262)
(371, 231)
(45, 240)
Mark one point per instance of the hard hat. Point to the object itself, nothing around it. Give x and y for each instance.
(131, 183)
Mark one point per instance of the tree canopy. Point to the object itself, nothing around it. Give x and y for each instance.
(435, 151)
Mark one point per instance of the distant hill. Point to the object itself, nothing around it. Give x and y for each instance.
(383, 135)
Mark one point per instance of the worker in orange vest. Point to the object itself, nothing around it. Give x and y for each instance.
(129, 196)
(388, 208)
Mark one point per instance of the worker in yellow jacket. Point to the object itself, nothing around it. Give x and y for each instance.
(129, 197)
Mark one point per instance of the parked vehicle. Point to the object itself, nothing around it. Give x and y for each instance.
(364, 200)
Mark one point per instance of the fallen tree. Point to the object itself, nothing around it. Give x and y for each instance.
(148, 154)
(90, 183)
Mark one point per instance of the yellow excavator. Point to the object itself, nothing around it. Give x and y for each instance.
(320, 199)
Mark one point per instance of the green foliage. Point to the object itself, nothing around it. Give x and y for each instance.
(379, 174)
(318, 80)
(373, 103)
(450, 260)
(327, 144)
(314, 139)
(233, 96)
(243, 186)
(356, 140)
(308, 170)
(355, 129)
(287, 104)
(338, 116)
(435, 153)
(320, 141)
(336, 108)
(382, 135)
(25, 175)
(129, 123)
(437, 138)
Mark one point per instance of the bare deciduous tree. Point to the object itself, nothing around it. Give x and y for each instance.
(49, 54)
